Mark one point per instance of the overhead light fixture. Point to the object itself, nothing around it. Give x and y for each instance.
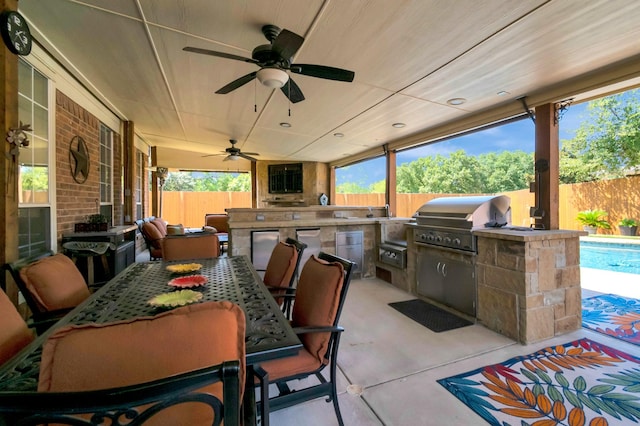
(272, 77)
(338, 135)
(233, 157)
(285, 124)
(456, 101)
(503, 93)
(398, 125)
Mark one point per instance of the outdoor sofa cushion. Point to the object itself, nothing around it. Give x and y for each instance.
(14, 333)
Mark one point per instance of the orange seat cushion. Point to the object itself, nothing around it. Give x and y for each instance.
(161, 225)
(153, 234)
(199, 246)
(316, 302)
(14, 333)
(100, 356)
(302, 363)
(55, 282)
(281, 266)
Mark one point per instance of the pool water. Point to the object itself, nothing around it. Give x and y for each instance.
(616, 257)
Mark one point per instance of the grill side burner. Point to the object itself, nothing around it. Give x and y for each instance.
(393, 254)
(446, 246)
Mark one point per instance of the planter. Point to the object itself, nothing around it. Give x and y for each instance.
(590, 229)
(628, 230)
(91, 227)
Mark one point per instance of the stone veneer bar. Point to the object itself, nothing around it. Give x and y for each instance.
(529, 282)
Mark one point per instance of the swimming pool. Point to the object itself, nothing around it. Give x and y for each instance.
(617, 257)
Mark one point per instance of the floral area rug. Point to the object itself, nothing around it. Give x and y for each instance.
(614, 316)
(579, 383)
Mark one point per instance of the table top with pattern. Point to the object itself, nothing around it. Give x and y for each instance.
(268, 333)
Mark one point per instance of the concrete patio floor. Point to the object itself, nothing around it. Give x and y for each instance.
(397, 361)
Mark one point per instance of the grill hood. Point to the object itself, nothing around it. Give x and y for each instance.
(467, 212)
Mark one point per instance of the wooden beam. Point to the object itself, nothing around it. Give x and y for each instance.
(9, 165)
(129, 166)
(154, 183)
(332, 185)
(254, 184)
(547, 164)
(391, 180)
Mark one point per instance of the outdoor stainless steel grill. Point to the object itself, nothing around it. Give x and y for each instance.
(446, 246)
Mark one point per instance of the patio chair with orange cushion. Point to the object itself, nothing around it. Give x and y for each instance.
(14, 333)
(319, 298)
(51, 285)
(282, 269)
(109, 368)
(193, 246)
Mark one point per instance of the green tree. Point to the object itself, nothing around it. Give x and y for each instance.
(351, 188)
(34, 178)
(208, 181)
(460, 173)
(607, 143)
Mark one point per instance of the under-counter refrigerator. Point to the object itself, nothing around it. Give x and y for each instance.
(311, 237)
(262, 244)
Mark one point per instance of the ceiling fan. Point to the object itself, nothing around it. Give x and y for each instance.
(274, 60)
(234, 154)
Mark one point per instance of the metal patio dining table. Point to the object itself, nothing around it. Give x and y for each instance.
(126, 296)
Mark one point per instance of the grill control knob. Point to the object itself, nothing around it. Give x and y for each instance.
(456, 241)
(430, 237)
(439, 239)
(447, 240)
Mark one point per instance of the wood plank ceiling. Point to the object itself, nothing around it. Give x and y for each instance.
(409, 59)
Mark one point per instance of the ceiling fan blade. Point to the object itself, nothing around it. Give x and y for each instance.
(237, 83)
(321, 71)
(250, 153)
(292, 91)
(246, 157)
(218, 54)
(287, 44)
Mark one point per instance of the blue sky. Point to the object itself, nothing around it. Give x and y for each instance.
(519, 135)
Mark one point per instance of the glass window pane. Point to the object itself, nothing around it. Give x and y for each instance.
(24, 109)
(40, 121)
(24, 78)
(40, 89)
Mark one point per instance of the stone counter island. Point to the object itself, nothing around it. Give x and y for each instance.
(529, 282)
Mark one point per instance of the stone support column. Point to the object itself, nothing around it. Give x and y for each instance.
(529, 283)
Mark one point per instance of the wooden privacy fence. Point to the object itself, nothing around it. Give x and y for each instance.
(619, 197)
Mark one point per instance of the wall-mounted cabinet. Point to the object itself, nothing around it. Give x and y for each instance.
(285, 178)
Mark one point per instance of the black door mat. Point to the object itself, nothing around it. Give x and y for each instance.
(431, 316)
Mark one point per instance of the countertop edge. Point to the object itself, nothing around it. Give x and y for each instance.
(533, 235)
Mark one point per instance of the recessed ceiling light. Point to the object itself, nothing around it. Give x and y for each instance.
(285, 124)
(338, 135)
(503, 93)
(398, 125)
(456, 101)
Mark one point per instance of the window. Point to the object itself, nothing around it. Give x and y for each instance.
(106, 170)
(34, 209)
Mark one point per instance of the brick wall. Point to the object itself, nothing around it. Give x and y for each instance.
(75, 201)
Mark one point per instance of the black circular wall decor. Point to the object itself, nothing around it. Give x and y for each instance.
(15, 32)
(79, 159)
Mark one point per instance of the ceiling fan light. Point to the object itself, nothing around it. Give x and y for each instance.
(233, 157)
(272, 77)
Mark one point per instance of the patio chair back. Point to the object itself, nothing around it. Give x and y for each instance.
(192, 246)
(94, 371)
(14, 333)
(282, 270)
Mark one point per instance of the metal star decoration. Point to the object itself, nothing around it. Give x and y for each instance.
(79, 159)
